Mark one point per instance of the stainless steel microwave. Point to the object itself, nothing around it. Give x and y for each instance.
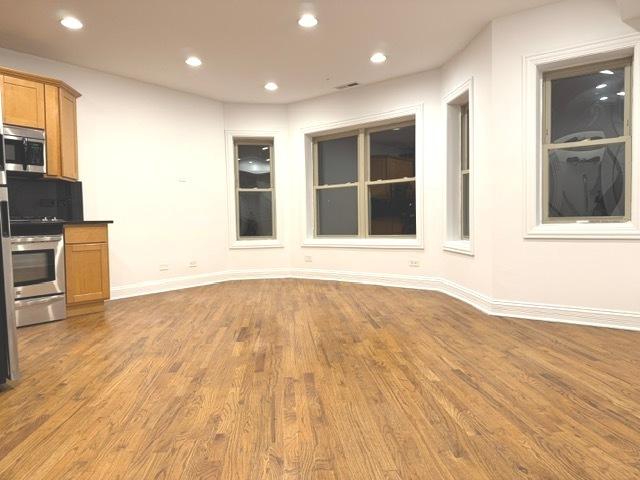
(24, 149)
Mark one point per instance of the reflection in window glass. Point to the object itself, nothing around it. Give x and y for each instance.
(338, 161)
(392, 209)
(465, 206)
(337, 211)
(588, 106)
(255, 214)
(587, 181)
(254, 166)
(393, 153)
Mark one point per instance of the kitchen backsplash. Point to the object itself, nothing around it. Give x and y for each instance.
(32, 197)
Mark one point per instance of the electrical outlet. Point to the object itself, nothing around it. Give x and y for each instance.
(307, 258)
(414, 263)
(164, 267)
(193, 264)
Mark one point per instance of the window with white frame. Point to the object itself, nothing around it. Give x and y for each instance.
(586, 144)
(254, 184)
(365, 182)
(459, 169)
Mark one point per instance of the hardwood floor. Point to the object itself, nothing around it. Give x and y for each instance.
(293, 379)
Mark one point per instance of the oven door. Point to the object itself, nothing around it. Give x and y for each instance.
(38, 265)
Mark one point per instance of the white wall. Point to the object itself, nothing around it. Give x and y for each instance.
(264, 120)
(474, 62)
(152, 160)
(586, 273)
(421, 89)
(137, 142)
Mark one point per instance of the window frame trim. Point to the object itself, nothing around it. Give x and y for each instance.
(533, 68)
(271, 189)
(276, 140)
(626, 138)
(453, 239)
(308, 133)
(364, 181)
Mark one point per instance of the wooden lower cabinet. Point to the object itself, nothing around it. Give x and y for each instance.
(87, 268)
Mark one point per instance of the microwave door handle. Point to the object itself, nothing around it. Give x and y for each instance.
(25, 159)
(4, 220)
(2, 156)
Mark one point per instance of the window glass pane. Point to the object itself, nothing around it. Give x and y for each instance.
(587, 181)
(392, 209)
(465, 206)
(254, 166)
(464, 137)
(338, 211)
(587, 106)
(255, 214)
(393, 153)
(338, 161)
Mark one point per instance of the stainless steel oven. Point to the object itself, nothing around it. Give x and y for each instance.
(24, 149)
(39, 280)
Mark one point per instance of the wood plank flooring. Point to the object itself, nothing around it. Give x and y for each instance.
(297, 379)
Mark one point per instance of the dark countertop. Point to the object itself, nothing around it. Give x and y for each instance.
(84, 222)
(58, 222)
(41, 227)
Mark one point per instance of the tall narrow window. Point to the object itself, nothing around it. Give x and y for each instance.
(459, 109)
(255, 201)
(364, 182)
(586, 161)
(464, 171)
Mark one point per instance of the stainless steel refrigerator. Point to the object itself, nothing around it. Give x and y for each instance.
(8, 333)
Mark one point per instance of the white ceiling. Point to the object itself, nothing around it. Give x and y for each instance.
(244, 43)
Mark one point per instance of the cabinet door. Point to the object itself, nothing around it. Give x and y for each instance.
(68, 136)
(87, 272)
(52, 115)
(23, 102)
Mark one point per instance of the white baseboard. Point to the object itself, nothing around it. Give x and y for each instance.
(505, 308)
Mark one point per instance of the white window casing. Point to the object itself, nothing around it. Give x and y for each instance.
(232, 139)
(358, 126)
(454, 103)
(536, 224)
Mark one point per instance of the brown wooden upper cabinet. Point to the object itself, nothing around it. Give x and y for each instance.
(39, 102)
(61, 131)
(23, 102)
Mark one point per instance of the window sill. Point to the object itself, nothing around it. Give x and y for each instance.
(587, 231)
(464, 247)
(382, 243)
(245, 244)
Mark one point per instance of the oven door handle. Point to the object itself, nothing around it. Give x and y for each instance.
(36, 301)
(52, 238)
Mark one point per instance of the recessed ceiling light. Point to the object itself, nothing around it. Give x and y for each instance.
(193, 61)
(602, 85)
(308, 21)
(265, 148)
(271, 86)
(378, 57)
(622, 94)
(72, 23)
(604, 98)
(606, 72)
(268, 159)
